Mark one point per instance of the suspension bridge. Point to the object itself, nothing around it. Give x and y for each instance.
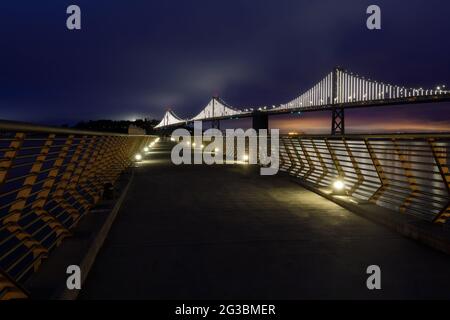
(337, 91)
(140, 227)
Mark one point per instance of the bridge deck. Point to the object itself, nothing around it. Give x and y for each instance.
(226, 232)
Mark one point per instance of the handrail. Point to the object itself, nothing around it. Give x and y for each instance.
(411, 135)
(6, 125)
(404, 172)
(50, 178)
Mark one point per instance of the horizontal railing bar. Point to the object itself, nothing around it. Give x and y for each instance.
(399, 136)
(13, 126)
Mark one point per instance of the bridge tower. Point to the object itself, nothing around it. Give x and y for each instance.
(215, 123)
(260, 120)
(338, 113)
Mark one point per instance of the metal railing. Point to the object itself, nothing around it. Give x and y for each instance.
(408, 173)
(49, 179)
(9, 289)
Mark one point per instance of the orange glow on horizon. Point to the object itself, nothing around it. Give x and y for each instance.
(321, 123)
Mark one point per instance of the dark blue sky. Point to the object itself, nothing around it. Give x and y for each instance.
(135, 58)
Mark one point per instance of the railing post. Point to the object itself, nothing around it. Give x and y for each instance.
(311, 167)
(322, 163)
(335, 159)
(440, 159)
(409, 176)
(355, 166)
(379, 169)
(338, 112)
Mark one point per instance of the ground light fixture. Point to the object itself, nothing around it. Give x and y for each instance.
(339, 185)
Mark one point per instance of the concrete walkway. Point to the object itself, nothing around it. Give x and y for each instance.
(225, 232)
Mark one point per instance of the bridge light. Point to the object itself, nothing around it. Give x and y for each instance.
(245, 157)
(188, 142)
(193, 144)
(339, 185)
(172, 139)
(202, 146)
(146, 149)
(138, 157)
(216, 149)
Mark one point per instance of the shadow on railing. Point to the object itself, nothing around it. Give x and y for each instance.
(49, 179)
(404, 172)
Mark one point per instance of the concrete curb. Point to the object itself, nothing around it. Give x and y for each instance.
(81, 250)
(424, 232)
(97, 243)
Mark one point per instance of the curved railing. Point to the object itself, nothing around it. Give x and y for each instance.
(404, 172)
(49, 179)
